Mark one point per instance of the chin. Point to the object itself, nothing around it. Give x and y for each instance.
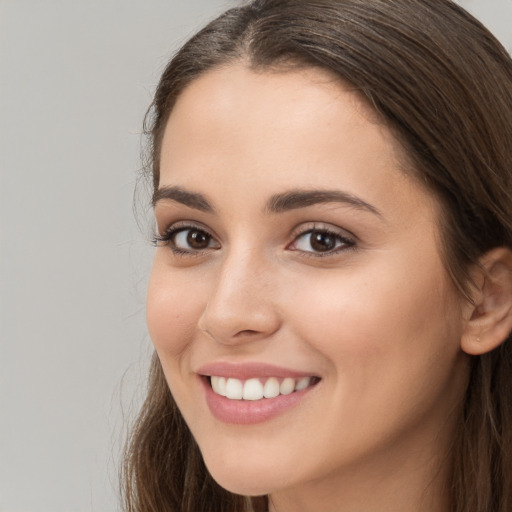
(244, 477)
(243, 487)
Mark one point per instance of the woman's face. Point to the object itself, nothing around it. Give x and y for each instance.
(297, 259)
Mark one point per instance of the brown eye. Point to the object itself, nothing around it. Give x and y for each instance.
(198, 239)
(192, 239)
(322, 241)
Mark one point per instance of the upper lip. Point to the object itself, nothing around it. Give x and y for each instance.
(244, 371)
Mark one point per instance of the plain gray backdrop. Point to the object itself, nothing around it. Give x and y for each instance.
(76, 78)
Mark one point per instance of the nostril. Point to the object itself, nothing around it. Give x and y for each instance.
(246, 332)
(230, 321)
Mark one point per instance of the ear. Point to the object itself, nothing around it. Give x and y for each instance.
(490, 317)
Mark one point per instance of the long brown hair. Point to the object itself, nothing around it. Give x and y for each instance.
(443, 84)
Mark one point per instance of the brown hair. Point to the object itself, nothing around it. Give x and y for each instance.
(443, 84)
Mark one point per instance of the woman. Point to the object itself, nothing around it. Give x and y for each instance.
(331, 296)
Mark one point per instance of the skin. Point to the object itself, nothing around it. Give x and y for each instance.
(378, 320)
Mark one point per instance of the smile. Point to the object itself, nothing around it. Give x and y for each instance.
(254, 392)
(259, 388)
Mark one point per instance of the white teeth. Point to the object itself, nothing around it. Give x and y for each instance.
(271, 388)
(253, 389)
(219, 385)
(302, 383)
(234, 389)
(287, 386)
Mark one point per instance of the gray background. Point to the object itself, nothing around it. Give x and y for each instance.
(76, 77)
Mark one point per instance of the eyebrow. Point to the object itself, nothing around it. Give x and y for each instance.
(279, 203)
(179, 195)
(302, 198)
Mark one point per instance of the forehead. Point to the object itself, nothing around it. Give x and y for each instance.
(240, 93)
(253, 130)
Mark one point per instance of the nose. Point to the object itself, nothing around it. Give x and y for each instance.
(242, 304)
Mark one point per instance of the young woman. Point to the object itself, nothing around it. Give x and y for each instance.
(331, 296)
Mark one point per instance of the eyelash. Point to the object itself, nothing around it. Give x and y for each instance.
(167, 239)
(346, 242)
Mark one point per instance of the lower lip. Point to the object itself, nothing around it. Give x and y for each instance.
(248, 412)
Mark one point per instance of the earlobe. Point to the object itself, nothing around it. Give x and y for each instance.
(490, 320)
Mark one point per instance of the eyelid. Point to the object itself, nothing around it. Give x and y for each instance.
(165, 237)
(182, 224)
(306, 227)
(349, 240)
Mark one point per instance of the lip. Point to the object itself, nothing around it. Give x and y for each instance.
(245, 371)
(247, 412)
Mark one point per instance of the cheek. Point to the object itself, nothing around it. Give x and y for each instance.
(172, 311)
(392, 348)
(386, 322)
